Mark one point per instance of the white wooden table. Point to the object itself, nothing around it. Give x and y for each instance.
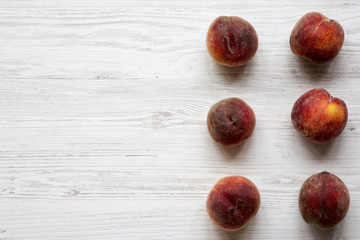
(103, 108)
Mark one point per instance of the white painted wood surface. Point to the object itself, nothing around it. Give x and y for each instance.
(103, 110)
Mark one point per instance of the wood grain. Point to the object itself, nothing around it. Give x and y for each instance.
(103, 119)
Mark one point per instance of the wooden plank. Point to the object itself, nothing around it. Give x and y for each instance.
(103, 119)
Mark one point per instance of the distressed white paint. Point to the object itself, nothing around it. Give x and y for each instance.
(103, 107)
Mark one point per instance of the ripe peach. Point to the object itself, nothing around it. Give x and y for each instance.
(231, 41)
(317, 38)
(233, 202)
(323, 200)
(230, 121)
(319, 116)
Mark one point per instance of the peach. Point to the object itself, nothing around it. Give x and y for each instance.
(319, 116)
(317, 38)
(323, 200)
(230, 121)
(233, 202)
(231, 41)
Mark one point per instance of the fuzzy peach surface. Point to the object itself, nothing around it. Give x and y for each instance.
(319, 116)
(233, 202)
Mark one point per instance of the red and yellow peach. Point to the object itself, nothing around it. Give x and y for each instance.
(317, 38)
(230, 121)
(233, 202)
(323, 200)
(319, 116)
(231, 41)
